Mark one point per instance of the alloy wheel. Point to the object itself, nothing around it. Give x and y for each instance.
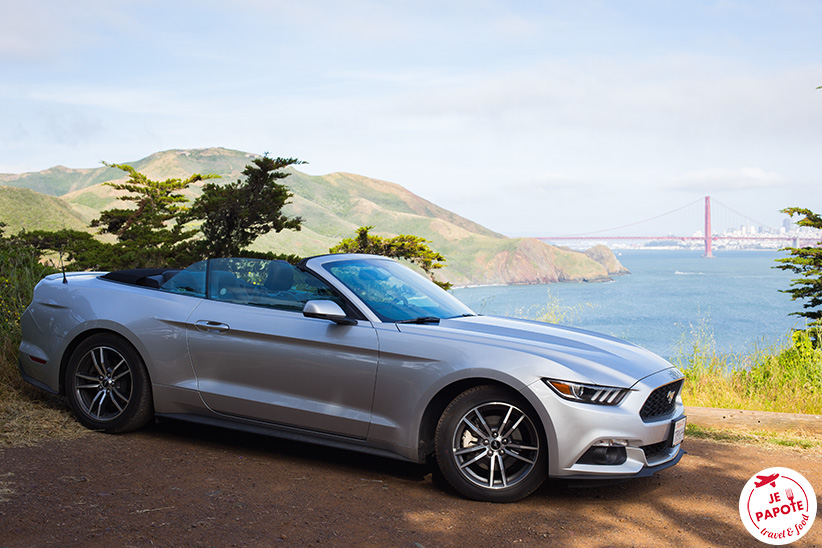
(103, 383)
(495, 445)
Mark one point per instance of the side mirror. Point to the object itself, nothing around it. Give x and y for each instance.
(327, 310)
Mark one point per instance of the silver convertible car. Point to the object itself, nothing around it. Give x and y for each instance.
(358, 352)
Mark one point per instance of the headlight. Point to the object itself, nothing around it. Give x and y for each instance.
(587, 393)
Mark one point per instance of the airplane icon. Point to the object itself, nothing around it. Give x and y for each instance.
(764, 480)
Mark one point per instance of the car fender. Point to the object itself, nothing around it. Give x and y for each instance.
(416, 370)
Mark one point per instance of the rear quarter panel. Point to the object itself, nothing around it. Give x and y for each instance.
(62, 314)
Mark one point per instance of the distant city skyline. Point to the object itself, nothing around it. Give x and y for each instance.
(741, 237)
(530, 118)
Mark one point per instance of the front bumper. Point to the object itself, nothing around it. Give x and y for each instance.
(645, 472)
(644, 446)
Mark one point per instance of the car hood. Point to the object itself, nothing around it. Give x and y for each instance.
(582, 356)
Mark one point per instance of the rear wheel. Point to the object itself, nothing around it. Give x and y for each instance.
(489, 446)
(108, 386)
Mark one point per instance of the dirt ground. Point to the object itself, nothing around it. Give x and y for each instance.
(176, 484)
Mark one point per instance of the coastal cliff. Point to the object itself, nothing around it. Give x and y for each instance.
(604, 256)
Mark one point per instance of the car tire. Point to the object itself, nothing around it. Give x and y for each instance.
(107, 385)
(489, 445)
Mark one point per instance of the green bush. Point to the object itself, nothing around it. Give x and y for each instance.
(795, 371)
(27, 415)
(786, 377)
(20, 270)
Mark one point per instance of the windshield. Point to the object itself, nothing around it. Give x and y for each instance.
(394, 293)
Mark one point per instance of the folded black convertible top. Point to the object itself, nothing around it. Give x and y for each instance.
(137, 276)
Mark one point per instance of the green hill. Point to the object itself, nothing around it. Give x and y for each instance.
(23, 208)
(60, 180)
(333, 206)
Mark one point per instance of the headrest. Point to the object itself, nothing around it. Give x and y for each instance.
(280, 276)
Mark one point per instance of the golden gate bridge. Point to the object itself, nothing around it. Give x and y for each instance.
(707, 236)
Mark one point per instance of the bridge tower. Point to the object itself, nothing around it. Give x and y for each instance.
(708, 234)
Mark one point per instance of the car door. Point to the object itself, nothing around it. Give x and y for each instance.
(267, 362)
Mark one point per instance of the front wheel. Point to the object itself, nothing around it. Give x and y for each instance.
(489, 446)
(108, 386)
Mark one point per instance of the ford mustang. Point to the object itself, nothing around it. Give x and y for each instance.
(357, 352)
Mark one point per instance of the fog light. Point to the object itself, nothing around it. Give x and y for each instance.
(607, 455)
(611, 443)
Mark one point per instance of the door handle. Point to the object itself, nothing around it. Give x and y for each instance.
(210, 326)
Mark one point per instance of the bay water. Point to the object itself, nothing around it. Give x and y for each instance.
(670, 299)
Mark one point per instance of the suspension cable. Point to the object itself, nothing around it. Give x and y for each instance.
(732, 210)
(638, 222)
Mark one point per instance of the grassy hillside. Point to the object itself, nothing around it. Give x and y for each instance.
(23, 208)
(60, 180)
(333, 207)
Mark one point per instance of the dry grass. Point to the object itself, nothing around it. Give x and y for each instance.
(27, 415)
(725, 390)
(29, 422)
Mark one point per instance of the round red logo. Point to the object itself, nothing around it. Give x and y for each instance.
(777, 506)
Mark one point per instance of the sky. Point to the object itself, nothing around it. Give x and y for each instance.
(537, 118)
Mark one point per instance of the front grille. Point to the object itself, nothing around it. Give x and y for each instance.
(661, 402)
(655, 449)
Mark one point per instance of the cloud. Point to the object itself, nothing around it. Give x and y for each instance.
(552, 108)
(715, 180)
